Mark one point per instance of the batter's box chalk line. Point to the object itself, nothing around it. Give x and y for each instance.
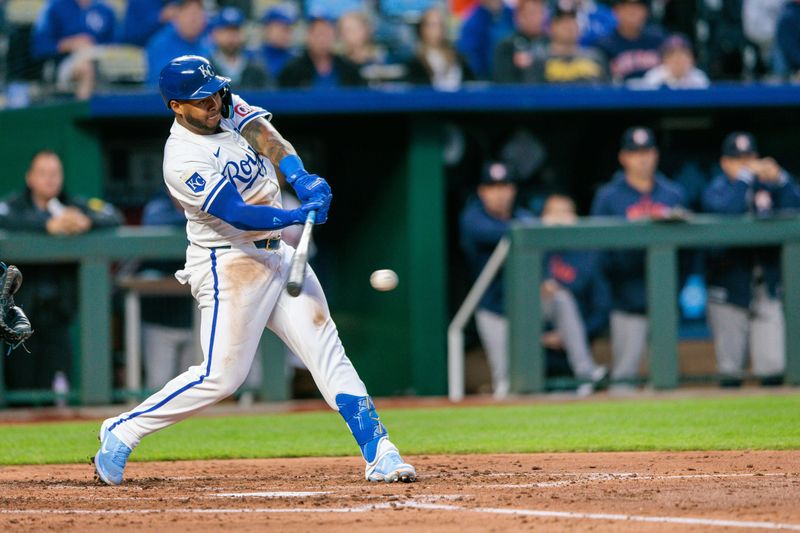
(421, 505)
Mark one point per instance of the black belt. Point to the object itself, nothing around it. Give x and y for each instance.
(263, 244)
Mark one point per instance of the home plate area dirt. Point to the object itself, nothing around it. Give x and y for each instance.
(666, 491)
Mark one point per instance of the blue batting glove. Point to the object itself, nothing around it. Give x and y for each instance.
(307, 186)
(299, 215)
(322, 212)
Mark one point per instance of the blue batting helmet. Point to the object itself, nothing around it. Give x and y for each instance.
(191, 78)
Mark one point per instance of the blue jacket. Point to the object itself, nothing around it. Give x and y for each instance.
(632, 58)
(729, 272)
(142, 20)
(65, 18)
(582, 274)
(276, 58)
(165, 45)
(596, 23)
(480, 233)
(788, 35)
(480, 34)
(625, 269)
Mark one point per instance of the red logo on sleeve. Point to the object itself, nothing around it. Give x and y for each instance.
(242, 110)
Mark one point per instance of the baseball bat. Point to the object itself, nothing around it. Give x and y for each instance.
(297, 269)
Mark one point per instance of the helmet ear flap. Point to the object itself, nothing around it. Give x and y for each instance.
(227, 102)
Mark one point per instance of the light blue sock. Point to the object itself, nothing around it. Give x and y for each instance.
(363, 421)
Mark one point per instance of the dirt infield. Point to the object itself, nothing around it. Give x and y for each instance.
(599, 492)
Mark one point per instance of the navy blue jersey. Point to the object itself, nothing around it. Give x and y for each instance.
(730, 271)
(480, 233)
(632, 58)
(625, 269)
(581, 273)
(65, 18)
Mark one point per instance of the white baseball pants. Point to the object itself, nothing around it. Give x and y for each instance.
(240, 290)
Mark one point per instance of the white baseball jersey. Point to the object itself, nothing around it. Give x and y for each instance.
(196, 167)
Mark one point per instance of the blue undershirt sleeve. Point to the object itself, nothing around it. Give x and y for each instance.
(229, 206)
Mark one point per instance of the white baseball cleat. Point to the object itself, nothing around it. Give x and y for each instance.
(388, 466)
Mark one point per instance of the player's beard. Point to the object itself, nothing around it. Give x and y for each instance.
(204, 125)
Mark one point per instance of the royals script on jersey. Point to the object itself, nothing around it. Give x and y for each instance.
(196, 167)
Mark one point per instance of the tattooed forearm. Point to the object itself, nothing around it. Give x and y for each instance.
(267, 141)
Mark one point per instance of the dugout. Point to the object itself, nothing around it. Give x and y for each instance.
(396, 202)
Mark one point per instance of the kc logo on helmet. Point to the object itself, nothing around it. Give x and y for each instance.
(206, 71)
(196, 182)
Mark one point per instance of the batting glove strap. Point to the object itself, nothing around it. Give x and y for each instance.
(292, 168)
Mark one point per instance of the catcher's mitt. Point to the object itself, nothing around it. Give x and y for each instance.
(15, 328)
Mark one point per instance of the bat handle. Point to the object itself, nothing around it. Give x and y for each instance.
(297, 270)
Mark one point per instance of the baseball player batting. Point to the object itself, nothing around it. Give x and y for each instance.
(219, 163)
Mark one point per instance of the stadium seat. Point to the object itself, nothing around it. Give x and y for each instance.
(121, 64)
(23, 12)
(119, 7)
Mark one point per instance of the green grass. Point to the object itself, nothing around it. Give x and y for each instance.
(753, 422)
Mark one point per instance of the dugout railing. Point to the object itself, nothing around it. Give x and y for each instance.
(661, 242)
(95, 253)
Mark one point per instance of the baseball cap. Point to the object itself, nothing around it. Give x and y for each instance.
(676, 41)
(739, 143)
(496, 172)
(638, 138)
(228, 16)
(280, 13)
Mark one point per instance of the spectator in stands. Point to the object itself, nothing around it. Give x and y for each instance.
(184, 36)
(485, 219)
(229, 57)
(760, 21)
(50, 293)
(595, 20)
(744, 284)
(788, 37)
(277, 35)
(319, 66)
(575, 299)
(436, 63)
(636, 192)
(486, 25)
(69, 31)
(514, 55)
(356, 35)
(168, 338)
(143, 18)
(633, 48)
(677, 69)
(563, 60)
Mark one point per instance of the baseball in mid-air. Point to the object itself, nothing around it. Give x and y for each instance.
(384, 280)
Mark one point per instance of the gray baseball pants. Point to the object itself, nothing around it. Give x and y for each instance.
(759, 329)
(628, 343)
(562, 310)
